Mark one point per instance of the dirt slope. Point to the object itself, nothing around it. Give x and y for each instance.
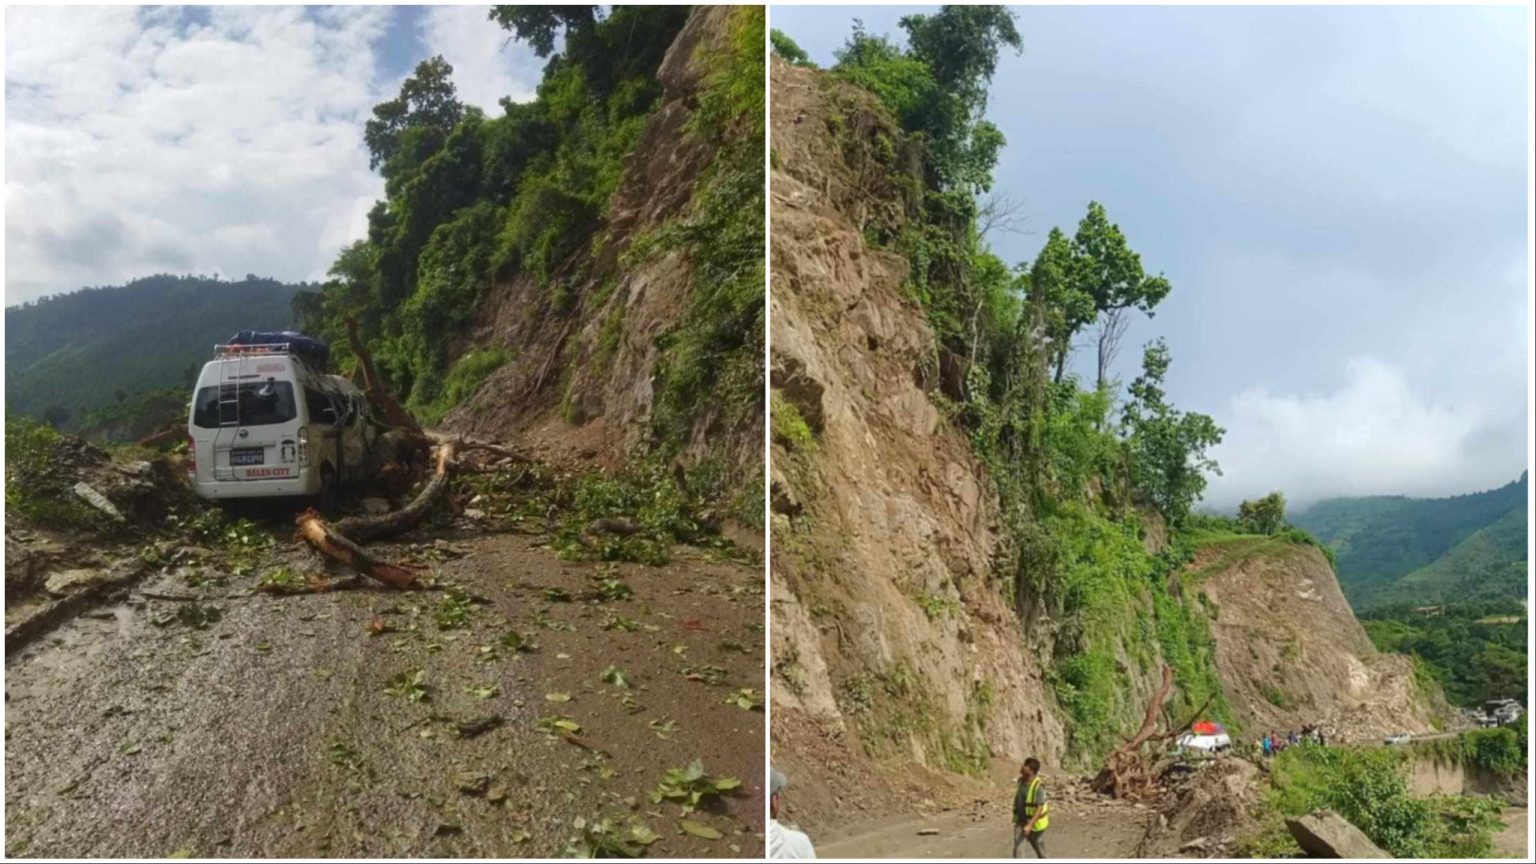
(889, 640)
(1290, 652)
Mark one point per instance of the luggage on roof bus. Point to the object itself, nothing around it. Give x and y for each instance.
(312, 351)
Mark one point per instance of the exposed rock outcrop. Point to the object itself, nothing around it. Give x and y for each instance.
(890, 637)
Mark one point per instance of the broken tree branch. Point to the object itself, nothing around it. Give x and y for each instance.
(494, 449)
(1179, 730)
(377, 393)
(173, 432)
(1154, 710)
(314, 531)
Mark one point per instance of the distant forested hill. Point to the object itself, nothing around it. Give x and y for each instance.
(1392, 549)
(89, 350)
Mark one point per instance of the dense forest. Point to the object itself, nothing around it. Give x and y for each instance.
(1476, 650)
(1397, 550)
(95, 357)
(1082, 467)
(473, 202)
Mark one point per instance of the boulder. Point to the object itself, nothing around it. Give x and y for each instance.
(67, 582)
(88, 493)
(1326, 834)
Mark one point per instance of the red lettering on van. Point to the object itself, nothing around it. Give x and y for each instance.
(266, 472)
(269, 367)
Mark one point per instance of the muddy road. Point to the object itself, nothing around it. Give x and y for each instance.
(298, 726)
(1078, 830)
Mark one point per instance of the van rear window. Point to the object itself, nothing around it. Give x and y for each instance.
(254, 403)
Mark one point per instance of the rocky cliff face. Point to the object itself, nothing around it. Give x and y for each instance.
(889, 640)
(582, 385)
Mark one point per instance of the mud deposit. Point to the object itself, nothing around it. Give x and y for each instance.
(270, 733)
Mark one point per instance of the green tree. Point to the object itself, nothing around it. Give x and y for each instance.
(1112, 274)
(1504, 670)
(537, 25)
(427, 102)
(56, 415)
(789, 50)
(1167, 447)
(938, 86)
(1263, 516)
(1066, 308)
(961, 45)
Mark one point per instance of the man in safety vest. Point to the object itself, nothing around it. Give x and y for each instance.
(1031, 810)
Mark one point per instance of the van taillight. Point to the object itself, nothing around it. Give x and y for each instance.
(303, 446)
(191, 455)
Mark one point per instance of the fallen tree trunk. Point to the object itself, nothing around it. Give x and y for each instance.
(365, 529)
(314, 531)
(377, 393)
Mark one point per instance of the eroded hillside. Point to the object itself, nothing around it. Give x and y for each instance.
(890, 641)
(594, 381)
(1291, 653)
(582, 276)
(920, 645)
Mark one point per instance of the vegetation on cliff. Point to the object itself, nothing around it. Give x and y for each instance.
(1369, 787)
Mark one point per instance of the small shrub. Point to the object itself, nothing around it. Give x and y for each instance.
(789, 428)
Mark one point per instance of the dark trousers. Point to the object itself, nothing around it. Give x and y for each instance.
(1036, 841)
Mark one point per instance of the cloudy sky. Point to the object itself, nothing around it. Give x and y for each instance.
(1338, 197)
(220, 140)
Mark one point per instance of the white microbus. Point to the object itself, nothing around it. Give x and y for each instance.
(265, 424)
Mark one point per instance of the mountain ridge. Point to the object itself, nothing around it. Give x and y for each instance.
(89, 349)
(1393, 548)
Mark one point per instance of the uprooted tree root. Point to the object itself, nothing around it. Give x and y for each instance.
(1125, 773)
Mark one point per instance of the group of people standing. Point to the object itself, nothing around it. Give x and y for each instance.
(1273, 743)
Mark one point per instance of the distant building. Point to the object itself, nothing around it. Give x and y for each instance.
(1497, 712)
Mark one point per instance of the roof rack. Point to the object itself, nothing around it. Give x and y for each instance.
(272, 348)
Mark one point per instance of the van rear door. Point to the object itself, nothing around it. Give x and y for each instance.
(254, 411)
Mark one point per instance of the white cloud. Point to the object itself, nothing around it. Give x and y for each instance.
(141, 140)
(486, 66)
(1376, 434)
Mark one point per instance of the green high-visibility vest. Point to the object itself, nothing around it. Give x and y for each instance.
(1030, 806)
